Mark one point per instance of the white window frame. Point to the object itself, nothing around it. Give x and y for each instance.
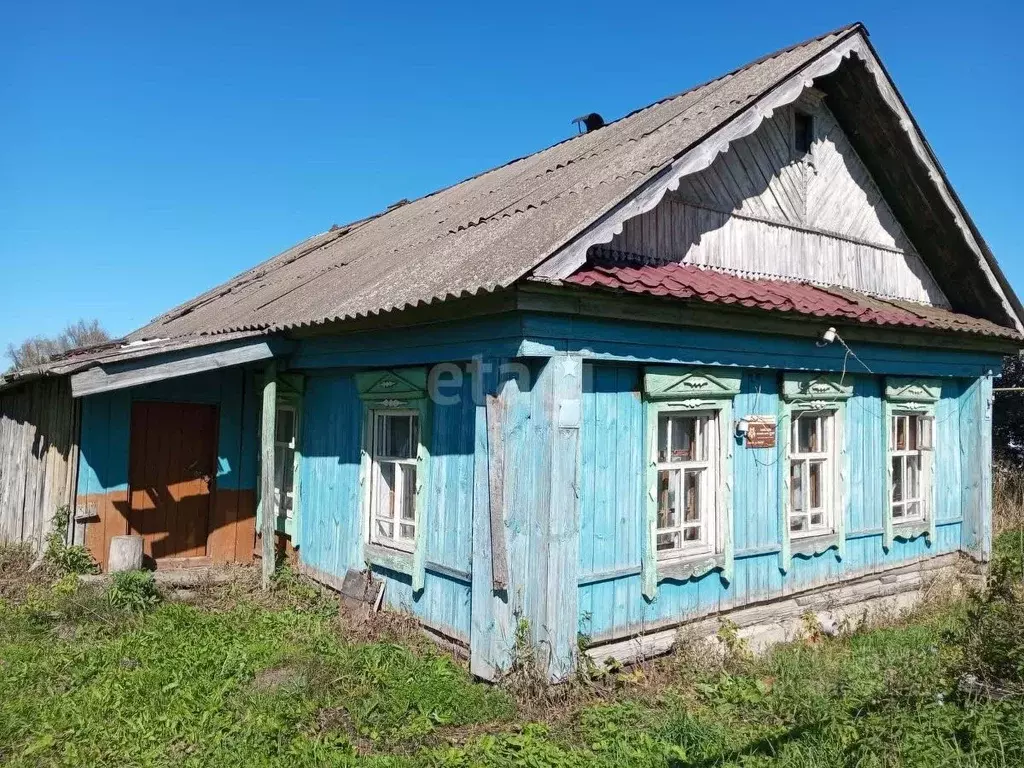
(289, 449)
(831, 433)
(923, 453)
(709, 467)
(397, 541)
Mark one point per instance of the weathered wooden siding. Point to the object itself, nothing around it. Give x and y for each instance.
(102, 501)
(38, 451)
(611, 505)
(331, 528)
(760, 210)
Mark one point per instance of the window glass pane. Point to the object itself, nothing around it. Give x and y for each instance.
(385, 529)
(798, 523)
(796, 486)
(684, 439)
(668, 541)
(810, 437)
(901, 433)
(914, 509)
(897, 511)
(691, 496)
(912, 430)
(407, 531)
(816, 518)
(913, 476)
(691, 533)
(385, 506)
(379, 440)
(897, 478)
(663, 438)
(408, 492)
(285, 426)
(668, 480)
(398, 437)
(816, 479)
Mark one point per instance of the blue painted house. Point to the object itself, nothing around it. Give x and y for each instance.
(732, 350)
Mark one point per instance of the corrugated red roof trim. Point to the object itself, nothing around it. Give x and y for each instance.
(686, 281)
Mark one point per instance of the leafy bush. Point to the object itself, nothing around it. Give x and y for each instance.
(64, 559)
(991, 638)
(133, 591)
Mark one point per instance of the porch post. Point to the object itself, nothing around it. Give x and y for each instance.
(267, 430)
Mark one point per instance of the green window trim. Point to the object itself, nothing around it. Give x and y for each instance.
(290, 388)
(813, 392)
(919, 396)
(675, 389)
(401, 389)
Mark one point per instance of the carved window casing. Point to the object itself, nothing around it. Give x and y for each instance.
(394, 469)
(813, 474)
(813, 470)
(688, 450)
(909, 439)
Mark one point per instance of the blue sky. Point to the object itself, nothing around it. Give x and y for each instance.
(150, 151)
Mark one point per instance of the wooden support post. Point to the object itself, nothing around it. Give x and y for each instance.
(268, 426)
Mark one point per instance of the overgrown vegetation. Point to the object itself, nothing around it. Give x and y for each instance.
(61, 557)
(94, 675)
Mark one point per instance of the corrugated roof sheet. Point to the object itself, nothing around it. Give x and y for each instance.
(485, 232)
(687, 281)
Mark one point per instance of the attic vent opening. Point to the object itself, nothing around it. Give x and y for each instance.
(588, 123)
(803, 133)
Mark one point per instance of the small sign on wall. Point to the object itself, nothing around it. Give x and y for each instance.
(760, 432)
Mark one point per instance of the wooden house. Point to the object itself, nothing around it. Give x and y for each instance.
(732, 350)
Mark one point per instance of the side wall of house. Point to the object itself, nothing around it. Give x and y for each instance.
(102, 499)
(565, 439)
(332, 533)
(611, 508)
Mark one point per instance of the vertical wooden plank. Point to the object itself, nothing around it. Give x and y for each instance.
(490, 614)
(267, 469)
(561, 613)
(985, 460)
(496, 491)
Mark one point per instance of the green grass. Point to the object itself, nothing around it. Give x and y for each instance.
(245, 681)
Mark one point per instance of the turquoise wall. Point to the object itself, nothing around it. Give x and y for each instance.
(611, 504)
(331, 529)
(106, 425)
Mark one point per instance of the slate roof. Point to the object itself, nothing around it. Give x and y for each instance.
(690, 282)
(483, 233)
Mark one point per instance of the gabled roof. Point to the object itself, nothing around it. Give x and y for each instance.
(538, 216)
(485, 232)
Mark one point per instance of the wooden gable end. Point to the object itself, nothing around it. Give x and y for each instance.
(768, 208)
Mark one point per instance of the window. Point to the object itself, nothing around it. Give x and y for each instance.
(686, 484)
(910, 441)
(393, 492)
(284, 461)
(803, 133)
(811, 472)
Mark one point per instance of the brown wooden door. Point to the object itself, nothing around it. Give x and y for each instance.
(172, 466)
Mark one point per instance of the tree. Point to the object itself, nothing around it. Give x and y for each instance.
(39, 349)
(1008, 413)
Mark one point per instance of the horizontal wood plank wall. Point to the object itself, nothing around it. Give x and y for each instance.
(763, 210)
(625, 341)
(332, 539)
(38, 439)
(610, 601)
(104, 453)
